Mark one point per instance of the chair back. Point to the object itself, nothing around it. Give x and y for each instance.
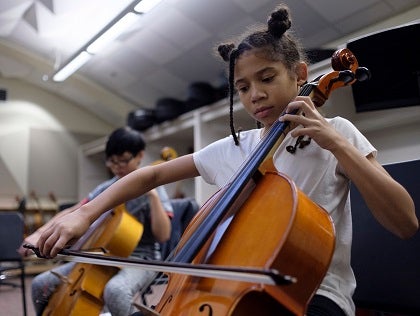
(184, 210)
(11, 235)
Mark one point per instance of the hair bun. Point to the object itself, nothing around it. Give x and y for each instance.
(225, 50)
(279, 21)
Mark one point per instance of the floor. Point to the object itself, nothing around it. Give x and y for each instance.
(11, 299)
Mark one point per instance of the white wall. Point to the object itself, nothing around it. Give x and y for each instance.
(39, 138)
(394, 132)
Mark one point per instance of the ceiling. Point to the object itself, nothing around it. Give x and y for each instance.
(163, 52)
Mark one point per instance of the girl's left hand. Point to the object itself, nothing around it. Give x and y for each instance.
(314, 124)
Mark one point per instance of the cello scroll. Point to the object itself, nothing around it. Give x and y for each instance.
(346, 72)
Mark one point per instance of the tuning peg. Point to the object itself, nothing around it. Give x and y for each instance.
(362, 74)
(346, 76)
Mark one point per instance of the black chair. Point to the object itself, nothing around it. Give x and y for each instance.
(11, 237)
(387, 269)
(184, 211)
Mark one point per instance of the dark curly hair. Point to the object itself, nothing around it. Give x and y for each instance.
(274, 41)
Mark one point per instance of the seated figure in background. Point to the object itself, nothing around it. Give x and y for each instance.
(124, 153)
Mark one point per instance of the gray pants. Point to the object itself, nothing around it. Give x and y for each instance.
(118, 293)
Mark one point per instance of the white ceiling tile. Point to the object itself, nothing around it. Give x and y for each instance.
(334, 11)
(45, 20)
(199, 65)
(363, 18)
(179, 30)
(30, 17)
(401, 5)
(83, 8)
(211, 14)
(164, 80)
(109, 74)
(305, 21)
(26, 36)
(297, 8)
(324, 35)
(49, 4)
(235, 28)
(130, 61)
(7, 26)
(150, 44)
(174, 2)
(10, 14)
(9, 7)
(251, 5)
(144, 93)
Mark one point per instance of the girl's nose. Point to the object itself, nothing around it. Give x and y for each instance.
(257, 94)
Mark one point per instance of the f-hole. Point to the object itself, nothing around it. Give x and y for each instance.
(204, 306)
(78, 280)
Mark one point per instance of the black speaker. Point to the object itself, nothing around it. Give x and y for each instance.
(386, 267)
(3, 95)
(141, 119)
(392, 56)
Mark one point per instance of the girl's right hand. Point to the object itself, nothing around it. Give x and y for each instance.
(31, 239)
(64, 230)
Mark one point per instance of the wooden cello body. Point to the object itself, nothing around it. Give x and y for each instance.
(301, 246)
(80, 293)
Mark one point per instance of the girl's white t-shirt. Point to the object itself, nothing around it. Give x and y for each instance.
(316, 172)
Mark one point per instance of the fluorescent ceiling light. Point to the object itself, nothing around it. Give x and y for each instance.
(146, 5)
(72, 66)
(112, 33)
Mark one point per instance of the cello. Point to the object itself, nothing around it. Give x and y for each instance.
(117, 232)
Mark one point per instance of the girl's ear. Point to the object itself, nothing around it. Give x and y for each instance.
(301, 72)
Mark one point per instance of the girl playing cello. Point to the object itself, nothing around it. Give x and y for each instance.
(321, 155)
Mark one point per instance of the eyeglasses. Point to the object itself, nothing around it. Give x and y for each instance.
(119, 162)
